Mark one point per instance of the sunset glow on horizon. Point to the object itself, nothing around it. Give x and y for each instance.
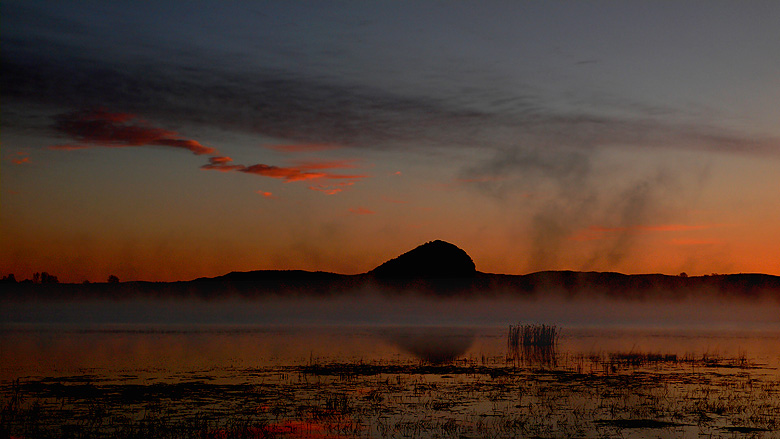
(629, 137)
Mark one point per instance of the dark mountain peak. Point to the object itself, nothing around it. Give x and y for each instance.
(434, 259)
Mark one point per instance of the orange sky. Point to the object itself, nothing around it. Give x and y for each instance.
(591, 137)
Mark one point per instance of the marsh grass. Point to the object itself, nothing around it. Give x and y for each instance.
(599, 395)
(532, 345)
(532, 335)
(413, 400)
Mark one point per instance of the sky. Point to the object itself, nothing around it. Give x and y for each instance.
(171, 140)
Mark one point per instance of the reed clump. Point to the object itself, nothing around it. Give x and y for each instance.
(532, 335)
(533, 345)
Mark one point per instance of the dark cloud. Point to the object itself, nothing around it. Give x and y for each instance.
(276, 104)
(315, 113)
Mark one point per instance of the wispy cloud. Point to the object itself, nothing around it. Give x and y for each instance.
(316, 115)
(307, 171)
(652, 228)
(20, 158)
(361, 211)
(266, 194)
(101, 128)
(601, 232)
(332, 189)
(69, 147)
(287, 174)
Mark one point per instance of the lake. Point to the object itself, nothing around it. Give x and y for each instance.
(116, 373)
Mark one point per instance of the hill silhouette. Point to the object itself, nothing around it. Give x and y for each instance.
(435, 268)
(434, 259)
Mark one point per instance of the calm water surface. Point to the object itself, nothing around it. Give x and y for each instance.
(172, 352)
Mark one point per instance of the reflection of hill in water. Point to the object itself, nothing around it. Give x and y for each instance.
(432, 345)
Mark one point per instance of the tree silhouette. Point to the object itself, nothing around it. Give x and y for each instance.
(113, 279)
(44, 278)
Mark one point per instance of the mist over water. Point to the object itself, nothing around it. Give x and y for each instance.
(194, 334)
(405, 310)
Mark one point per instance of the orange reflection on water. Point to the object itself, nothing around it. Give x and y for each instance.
(221, 352)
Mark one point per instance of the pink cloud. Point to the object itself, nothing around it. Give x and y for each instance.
(266, 194)
(100, 128)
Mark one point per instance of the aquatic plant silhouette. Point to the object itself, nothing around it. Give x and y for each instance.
(532, 344)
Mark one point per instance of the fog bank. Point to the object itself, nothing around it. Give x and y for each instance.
(403, 311)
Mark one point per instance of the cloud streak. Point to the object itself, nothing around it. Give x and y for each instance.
(317, 115)
(266, 194)
(332, 189)
(101, 128)
(20, 158)
(304, 172)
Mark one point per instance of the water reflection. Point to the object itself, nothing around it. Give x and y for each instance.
(533, 356)
(532, 345)
(167, 352)
(432, 345)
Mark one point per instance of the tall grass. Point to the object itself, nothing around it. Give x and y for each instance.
(532, 344)
(532, 335)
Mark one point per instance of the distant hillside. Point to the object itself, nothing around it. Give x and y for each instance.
(436, 268)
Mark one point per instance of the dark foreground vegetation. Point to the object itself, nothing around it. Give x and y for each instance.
(601, 395)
